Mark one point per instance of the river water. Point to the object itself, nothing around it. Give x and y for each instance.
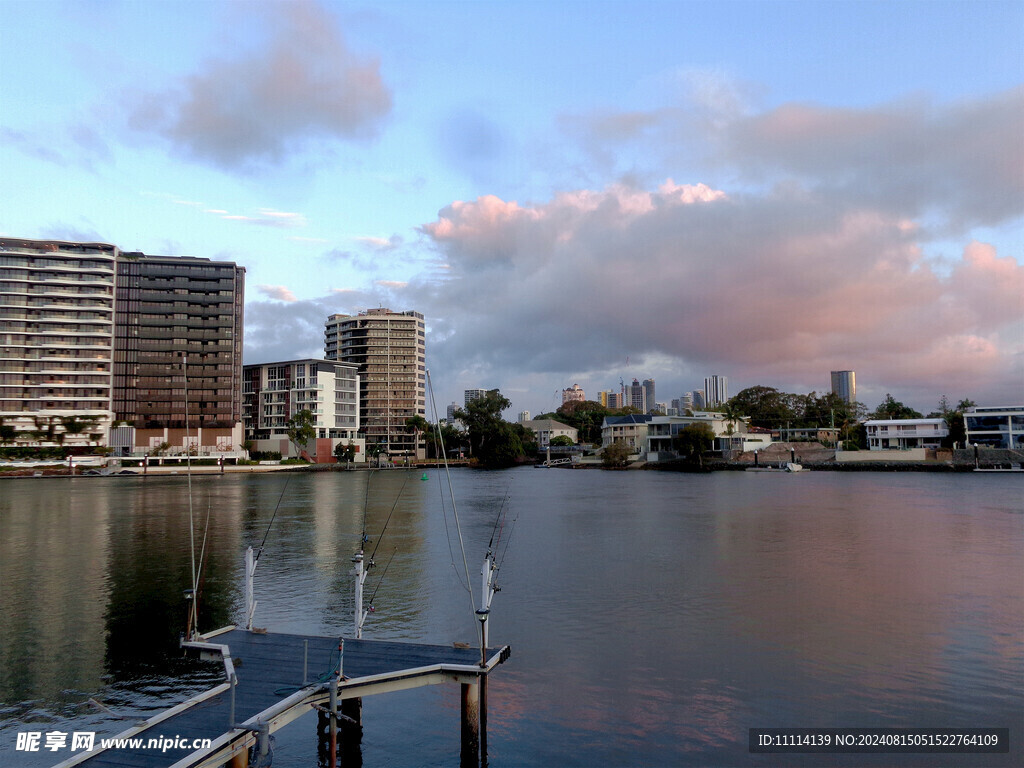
(653, 617)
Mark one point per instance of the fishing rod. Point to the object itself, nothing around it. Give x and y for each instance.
(393, 507)
(385, 573)
(272, 518)
(251, 562)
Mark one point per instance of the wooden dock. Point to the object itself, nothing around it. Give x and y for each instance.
(272, 679)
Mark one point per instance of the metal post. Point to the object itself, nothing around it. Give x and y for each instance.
(333, 725)
(250, 600)
(231, 714)
(360, 575)
(755, 458)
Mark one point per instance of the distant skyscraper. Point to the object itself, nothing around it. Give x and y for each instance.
(614, 400)
(648, 386)
(636, 396)
(524, 416)
(573, 394)
(473, 394)
(686, 402)
(698, 399)
(716, 390)
(450, 412)
(844, 384)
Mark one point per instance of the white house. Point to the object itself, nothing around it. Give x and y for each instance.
(631, 430)
(902, 434)
(548, 429)
(730, 434)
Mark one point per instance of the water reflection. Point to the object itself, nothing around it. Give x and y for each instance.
(654, 618)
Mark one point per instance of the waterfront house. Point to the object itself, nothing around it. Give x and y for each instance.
(903, 434)
(547, 429)
(995, 426)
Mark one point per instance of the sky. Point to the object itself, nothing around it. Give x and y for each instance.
(570, 192)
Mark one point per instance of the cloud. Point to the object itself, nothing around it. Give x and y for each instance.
(71, 233)
(963, 159)
(276, 330)
(776, 287)
(381, 244)
(65, 146)
(266, 217)
(300, 85)
(279, 292)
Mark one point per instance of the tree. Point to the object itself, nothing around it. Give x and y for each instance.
(492, 440)
(954, 418)
(417, 425)
(615, 454)
(301, 429)
(561, 440)
(345, 452)
(586, 416)
(891, 408)
(765, 407)
(693, 441)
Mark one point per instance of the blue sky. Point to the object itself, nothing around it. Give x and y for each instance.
(570, 192)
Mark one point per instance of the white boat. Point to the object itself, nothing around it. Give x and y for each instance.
(789, 466)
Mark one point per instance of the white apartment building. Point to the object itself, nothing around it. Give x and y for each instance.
(903, 434)
(57, 340)
(272, 393)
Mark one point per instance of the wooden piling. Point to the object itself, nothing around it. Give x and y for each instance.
(470, 753)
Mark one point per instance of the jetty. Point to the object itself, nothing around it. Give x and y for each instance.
(272, 679)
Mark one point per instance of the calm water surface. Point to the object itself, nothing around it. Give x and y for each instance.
(653, 617)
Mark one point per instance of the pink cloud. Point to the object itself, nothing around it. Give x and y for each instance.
(279, 292)
(780, 287)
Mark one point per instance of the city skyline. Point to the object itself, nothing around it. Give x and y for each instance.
(854, 203)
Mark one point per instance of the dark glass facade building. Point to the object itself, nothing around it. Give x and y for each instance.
(178, 333)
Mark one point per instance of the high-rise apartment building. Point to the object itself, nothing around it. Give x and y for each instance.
(573, 394)
(178, 351)
(844, 385)
(390, 350)
(699, 399)
(716, 390)
(636, 396)
(469, 395)
(648, 385)
(57, 339)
